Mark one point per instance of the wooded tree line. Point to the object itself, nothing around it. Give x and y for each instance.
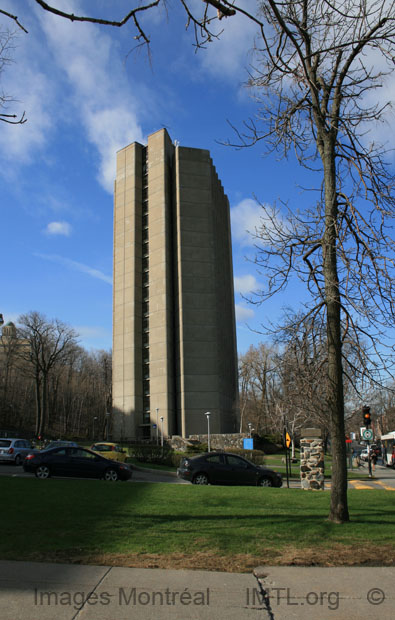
(49, 385)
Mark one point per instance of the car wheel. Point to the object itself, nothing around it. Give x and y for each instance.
(18, 459)
(111, 475)
(265, 482)
(43, 472)
(200, 479)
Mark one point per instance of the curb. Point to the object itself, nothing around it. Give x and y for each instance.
(162, 472)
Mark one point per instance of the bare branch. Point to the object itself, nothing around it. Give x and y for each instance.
(14, 18)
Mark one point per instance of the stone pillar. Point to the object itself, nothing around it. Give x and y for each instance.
(312, 459)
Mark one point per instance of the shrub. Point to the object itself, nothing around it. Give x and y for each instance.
(150, 453)
(197, 448)
(270, 444)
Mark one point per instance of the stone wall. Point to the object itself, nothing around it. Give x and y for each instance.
(312, 465)
(217, 442)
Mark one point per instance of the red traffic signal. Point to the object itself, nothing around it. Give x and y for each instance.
(367, 420)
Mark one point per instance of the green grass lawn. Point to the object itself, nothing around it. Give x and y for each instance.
(82, 520)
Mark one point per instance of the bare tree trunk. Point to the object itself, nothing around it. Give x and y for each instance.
(339, 509)
(38, 405)
(44, 404)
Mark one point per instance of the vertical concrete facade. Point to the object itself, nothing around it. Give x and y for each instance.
(174, 343)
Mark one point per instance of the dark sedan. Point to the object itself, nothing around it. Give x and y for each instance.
(76, 462)
(226, 468)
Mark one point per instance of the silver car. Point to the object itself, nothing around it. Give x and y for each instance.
(14, 450)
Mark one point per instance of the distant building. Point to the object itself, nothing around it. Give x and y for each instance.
(10, 344)
(174, 338)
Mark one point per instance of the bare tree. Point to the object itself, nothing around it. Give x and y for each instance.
(257, 381)
(245, 382)
(319, 65)
(303, 370)
(51, 343)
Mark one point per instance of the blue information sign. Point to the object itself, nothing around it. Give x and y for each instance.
(248, 443)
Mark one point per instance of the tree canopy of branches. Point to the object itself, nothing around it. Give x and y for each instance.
(319, 65)
(6, 46)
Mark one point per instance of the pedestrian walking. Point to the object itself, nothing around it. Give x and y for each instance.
(373, 459)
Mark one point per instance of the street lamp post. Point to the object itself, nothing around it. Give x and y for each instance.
(249, 428)
(207, 414)
(161, 431)
(94, 420)
(157, 426)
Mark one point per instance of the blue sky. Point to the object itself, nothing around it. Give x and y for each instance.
(85, 96)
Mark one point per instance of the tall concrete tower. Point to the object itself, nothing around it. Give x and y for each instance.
(174, 342)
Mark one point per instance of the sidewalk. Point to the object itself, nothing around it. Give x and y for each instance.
(40, 591)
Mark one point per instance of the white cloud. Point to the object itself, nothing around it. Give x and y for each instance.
(69, 73)
(32, 93)
(243, 313)
(229, 55)
(245, 284)
(100, 93)
(58, 228)
(76, 266)
(382, 132)
(252, 222)
(110, 129)
(246, 221)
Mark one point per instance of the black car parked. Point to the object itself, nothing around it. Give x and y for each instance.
(77, 462)
(226, 468)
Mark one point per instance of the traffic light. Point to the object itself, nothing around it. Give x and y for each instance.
(367, 420)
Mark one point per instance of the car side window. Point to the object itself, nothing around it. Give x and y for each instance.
(234, 461)
(217, 458)
(77, 453)
(84, 454)
(89, 455)
(18, 444)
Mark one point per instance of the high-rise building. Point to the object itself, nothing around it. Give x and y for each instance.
(174, 342)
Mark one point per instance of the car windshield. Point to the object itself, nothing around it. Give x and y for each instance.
(4, 443)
